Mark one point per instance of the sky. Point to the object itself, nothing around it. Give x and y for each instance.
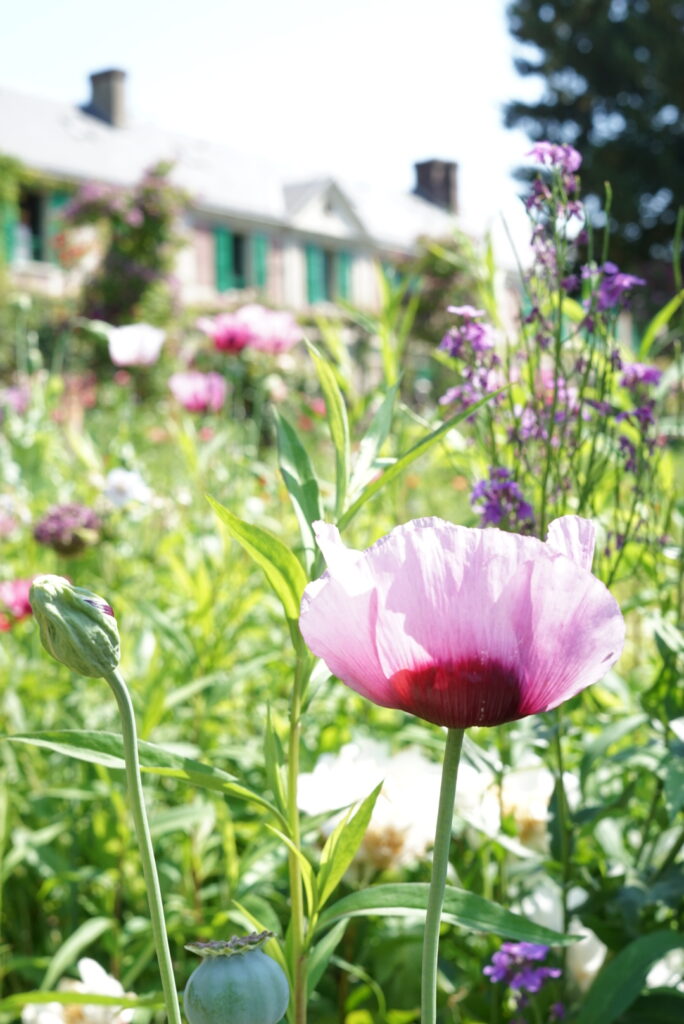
(359, 90)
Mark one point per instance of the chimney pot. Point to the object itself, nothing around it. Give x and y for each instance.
(436, 181)
(107, 97)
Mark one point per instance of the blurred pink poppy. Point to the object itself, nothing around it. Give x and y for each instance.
(198, 392)
(464, 626)
(228, 332)
(268, 330)
(14, 599)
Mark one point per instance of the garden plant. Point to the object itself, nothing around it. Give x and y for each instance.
(397, 722)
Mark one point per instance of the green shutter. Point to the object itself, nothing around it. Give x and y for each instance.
(9, 217)
(343, 263)
(56, 202)
(223, 252)
(259, 261)
(315, 274)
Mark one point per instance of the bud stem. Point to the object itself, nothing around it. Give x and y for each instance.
(440, 864)
(142, 830)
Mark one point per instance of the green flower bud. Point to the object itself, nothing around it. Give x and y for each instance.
(76, 626)
(236, 983)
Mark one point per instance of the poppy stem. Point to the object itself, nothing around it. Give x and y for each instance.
(136, 799)
(440, 864)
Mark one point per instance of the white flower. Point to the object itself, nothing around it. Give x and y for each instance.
(402, 826)
(524, 796)
(135, 344)
(94, 981)
(124, 485)
(668, 972)
(584, 958)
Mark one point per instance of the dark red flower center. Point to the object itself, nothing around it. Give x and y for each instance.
(458, 694)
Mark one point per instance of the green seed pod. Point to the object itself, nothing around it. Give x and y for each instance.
(236, 983)
(76, 626)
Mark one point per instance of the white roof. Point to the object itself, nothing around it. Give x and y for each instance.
(64, 141)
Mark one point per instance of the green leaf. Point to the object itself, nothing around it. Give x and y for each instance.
(405, 460)
(659, 321)
(622, 979)
(71, 948)
(319, 956)
(106, 748)
(40, 997)
(283, 570)
(308, 880)
(338, 423)
(341, 846)
(300, 479)
(460, 907)
(274, 761)
(664, 1007)
(674, 787)
(373, 440)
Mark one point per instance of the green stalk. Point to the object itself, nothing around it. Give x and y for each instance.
(137, 802)
(440, 864)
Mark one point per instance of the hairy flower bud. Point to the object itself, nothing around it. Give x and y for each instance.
(77, 627)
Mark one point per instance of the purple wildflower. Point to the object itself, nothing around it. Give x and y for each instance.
(518, 965)
(68, 528)
(614, 285)
(639, 373)
(502, 504)
(563, 157)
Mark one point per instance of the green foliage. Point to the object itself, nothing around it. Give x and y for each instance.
(132, 281)
(613, 88)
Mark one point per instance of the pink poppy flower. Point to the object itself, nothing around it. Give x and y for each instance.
(228, 332)
(198, 392)
(464, 626)
(14, 598)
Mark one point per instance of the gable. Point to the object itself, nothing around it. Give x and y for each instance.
(327, 211)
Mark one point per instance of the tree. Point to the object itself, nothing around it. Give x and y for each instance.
(614, 89)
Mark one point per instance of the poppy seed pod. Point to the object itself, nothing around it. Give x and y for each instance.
(76, 626)
(236, 983)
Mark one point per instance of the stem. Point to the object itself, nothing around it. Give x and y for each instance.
(295, 871)
(440, 864)
(137, 802)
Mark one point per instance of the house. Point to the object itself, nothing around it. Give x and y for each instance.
(295, 244)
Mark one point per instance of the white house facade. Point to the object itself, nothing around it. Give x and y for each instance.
(293, 244)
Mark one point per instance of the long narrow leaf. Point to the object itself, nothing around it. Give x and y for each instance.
(106, 748)
(338, 423)
(282, 569)
(341, 846)
(460, 907)
(405, 460)
(299, 478)
(73, 946)
(621, 981)
(659, 321)
(372, 441)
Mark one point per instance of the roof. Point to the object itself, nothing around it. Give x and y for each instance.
(67, 142)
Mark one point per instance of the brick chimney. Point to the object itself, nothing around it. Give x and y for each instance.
(436, 181)
(108, 97)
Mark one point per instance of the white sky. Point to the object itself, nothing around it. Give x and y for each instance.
(360, 89)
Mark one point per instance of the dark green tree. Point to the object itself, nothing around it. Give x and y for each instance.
(613, 74)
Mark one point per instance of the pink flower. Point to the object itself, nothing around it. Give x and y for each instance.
(198, 392)
(268, 330)
(228, 332)
(463, 626)
(135, 344)
(14, 598)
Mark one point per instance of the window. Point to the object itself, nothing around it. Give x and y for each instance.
(240, 260)
(328, 274)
